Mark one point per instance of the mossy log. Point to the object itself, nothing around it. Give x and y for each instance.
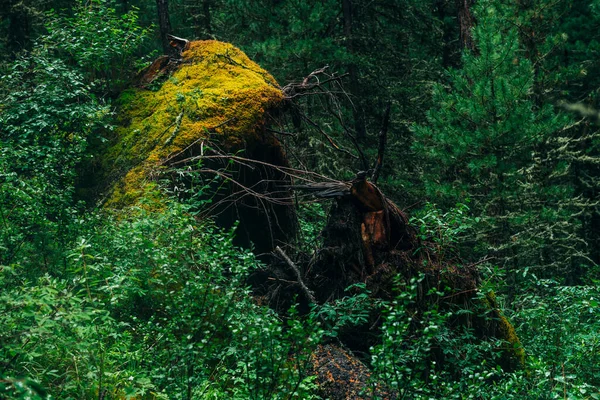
(212, 97)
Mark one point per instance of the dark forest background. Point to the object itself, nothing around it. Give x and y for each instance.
(493, 149)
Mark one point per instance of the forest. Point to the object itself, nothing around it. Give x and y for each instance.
(288, 199)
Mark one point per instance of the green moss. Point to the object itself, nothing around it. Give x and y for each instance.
(514, 352)
(217, 90)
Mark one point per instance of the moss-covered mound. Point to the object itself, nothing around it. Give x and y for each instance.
(214, 97)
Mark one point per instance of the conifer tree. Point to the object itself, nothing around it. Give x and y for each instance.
(487, 140)
(562, 41)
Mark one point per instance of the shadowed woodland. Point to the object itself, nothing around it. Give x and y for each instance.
(299, 200)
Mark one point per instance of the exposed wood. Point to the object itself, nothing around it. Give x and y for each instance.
(325, 190)
(158, 68)
(177, 43)
(341, 376)
(369, 240)
(367, 196)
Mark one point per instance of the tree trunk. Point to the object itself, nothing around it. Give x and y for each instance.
(164, 24)
(207, 17)
(359, 121)
(369, 240)
(18, 26)
(447, 37)
(466, 21)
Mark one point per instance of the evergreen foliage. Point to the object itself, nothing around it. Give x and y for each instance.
(488, 140)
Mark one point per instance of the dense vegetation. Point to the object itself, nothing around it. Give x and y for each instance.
(493, 147)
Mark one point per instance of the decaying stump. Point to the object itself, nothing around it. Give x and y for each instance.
(369, 240)
(198, 110)
(365, 235)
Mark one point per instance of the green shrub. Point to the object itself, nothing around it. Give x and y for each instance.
(155, 305)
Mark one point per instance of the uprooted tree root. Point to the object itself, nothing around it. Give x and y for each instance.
(368, 240)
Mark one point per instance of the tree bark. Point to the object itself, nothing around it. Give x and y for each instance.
(466, 21)
(448, 34)
(359, 121)
(19, 26)
(207, 17)
(164, 24)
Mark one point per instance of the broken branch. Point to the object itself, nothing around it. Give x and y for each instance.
(300, 282)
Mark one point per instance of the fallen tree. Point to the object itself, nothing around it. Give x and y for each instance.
(369, 240)
(210, 112)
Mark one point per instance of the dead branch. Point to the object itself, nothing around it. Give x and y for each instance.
(180, 44)
(176, 130)
(280, 132)
(293, 89)
(300, 282)
(363, 158)
(329, 139)
(247, 189)
(313, 85)
(291, 172)
(211, 129)
(325, 189)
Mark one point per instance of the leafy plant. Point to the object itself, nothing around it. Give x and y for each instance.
(349, 311)
(101, 42)
(444, 232)
(155, 305)
(312, 219)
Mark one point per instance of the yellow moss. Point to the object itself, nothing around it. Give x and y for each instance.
(217, 91)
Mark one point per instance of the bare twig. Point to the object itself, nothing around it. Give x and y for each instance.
(291, 172)
(310, 82)
(352, 138)
(177, 126)
(300, 282)
(211, 129)
(329, 139)
(280, 132)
